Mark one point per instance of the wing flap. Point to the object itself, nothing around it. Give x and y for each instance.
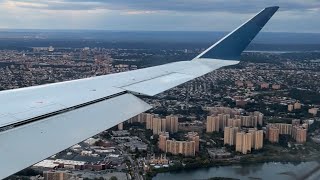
(177, 76)
(24, 146)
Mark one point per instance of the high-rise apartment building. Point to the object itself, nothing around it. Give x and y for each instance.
(243, 142)
(299, 133)
(163, 137)
(157, 125)
(212, 124)
(273, 133)
(172, 124)
(230, 135)
(186, 148)
(193, 136)
(149, 121)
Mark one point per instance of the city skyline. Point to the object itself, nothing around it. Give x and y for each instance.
(294, 16)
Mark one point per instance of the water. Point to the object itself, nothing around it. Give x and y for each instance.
(273, 171)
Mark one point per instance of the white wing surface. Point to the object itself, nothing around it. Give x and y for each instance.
(37, 122)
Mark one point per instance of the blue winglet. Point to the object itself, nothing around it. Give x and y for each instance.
(232, 45)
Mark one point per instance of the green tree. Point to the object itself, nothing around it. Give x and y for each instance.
(113, 178)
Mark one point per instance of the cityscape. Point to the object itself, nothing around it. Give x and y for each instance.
(263, 110)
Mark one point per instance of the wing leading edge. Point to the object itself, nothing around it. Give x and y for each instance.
(39, 121)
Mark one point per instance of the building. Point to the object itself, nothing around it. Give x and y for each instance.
(223, 119)
(249, 121)
(162, 160)
(193, 136)
(283, 128)
(163, 125)
(140, 118)
(297, 105)
(241, 103)
(243, 142)
(273, 134)
(276, 86)
(259, 115)
(258, 139)
(264, 86)
(212, 124)
(230, 135)
(186, 148)
(120, 126)
(299, 133)
(149, 121)
(218, 153)
(313, 111)
(234, 123)
(58, 175)
(156, 125)
(172, 124)
(290, 107)
(163, 137)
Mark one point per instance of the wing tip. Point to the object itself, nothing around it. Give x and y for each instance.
(232, 45)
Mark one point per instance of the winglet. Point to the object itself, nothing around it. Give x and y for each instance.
(231, 46)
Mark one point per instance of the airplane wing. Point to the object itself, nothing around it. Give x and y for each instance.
(37, 122)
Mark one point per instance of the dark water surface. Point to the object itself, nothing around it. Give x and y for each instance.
(272, 171)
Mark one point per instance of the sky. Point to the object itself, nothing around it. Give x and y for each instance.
(157, 15)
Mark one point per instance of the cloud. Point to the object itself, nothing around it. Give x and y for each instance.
(237, 6)
(139, 12)
(173, 15)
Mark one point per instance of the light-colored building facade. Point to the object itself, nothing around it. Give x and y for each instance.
(163, 137)
(273, 134)
(212, 124)
(172, 124)
(243, 142)
(230, 135)
(193, 136)
(186, 148)
(299, 133)
(120, 126)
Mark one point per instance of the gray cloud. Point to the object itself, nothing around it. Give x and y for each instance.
(235, 6)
